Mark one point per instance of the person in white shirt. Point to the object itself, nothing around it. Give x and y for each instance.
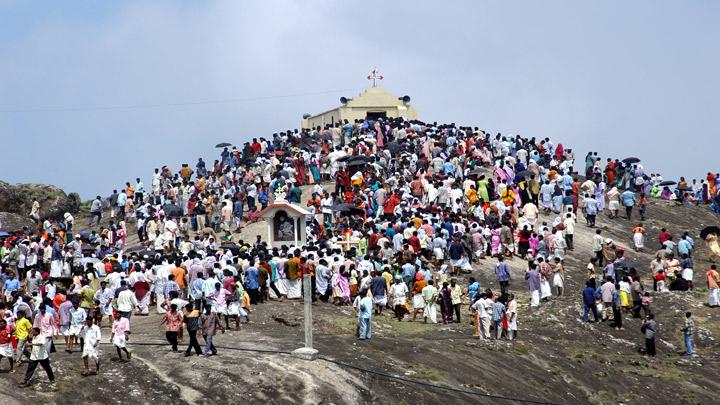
(38, 354)
(91, 347)
(482, 317)
(126, 302)
(398, 294)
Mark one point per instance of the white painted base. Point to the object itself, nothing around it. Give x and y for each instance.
(305, 353)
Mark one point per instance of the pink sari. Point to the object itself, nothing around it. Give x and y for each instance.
(345, 287)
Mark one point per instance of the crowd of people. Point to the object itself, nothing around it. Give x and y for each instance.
(402, 214)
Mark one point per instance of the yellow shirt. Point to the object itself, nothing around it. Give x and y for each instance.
(388, 279)
(22, 328)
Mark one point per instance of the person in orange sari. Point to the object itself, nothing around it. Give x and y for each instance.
(610, 172)
(559, 152)
(418, 301)
(711, 184)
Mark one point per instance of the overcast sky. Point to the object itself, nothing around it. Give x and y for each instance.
(624, 78)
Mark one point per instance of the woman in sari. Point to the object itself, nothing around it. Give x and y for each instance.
(315, 169)
(142, 294)
(300, 170)
(418, 301)
(345, 288)
(446, 303)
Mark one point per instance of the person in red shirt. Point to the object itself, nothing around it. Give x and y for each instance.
(664, 236)
(256, 146)
(390, 204)
(414, 242)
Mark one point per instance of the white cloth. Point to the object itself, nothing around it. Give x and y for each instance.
(714, 297)
(418, 301)
(639, 240)
(535, 298)
(119, 341)
(557, 280)
(6, 350)
(56, 267)
(545, 290)
(430, 313)
(293, 289)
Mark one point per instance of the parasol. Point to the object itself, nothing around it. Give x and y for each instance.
(526, 173)
(393, 147)
(172, 211)
(631, 160)
(223, 145)
(347, 208)
(353, 163)
(709, 230)
(475, 172)
(684, 188)
(667, 183)
(133, 249)
(353, 158)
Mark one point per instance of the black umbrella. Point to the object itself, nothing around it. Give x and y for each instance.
(134, 249)
(475, 172)
(172, 211)
(684, 188)
(223, 145)
(354, 163)
(347, 208)
(709, 230)
(394, 147)
(526, 173)
(631, 160)
(668, 183)
(235, 249)
(150, 253)
(353, 158)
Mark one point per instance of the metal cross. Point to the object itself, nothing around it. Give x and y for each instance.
(375, 75)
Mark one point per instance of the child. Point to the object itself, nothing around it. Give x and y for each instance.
(688, 331)
(646, 301)
(120, 332)
(209, 323)
(660, 281)
(91, 346)
(643, 206)
(6, 349)
(39, 355)
(22, 330)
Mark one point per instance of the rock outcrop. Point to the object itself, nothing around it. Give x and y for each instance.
(17, 199)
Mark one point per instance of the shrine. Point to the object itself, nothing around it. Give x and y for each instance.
(285, 224)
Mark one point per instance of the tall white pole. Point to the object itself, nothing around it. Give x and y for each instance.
(307, 352)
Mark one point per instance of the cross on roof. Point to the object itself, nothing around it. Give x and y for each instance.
(375, 75)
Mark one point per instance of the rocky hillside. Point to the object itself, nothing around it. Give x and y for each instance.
(16, 201)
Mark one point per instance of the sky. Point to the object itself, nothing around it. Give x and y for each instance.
(94, 94)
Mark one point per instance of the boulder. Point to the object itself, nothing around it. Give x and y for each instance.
(54, 202)
(10, 222)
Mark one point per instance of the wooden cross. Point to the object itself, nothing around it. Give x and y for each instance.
(375, 75)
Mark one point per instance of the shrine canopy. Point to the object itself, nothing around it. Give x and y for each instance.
(285, 224)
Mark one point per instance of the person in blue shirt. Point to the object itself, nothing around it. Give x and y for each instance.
(628, 200)
(589, 303)
(252, 284)
(365, 315)
(473, 288)
(11, 285)
(684, 247)
(502, 274)
(408, 274)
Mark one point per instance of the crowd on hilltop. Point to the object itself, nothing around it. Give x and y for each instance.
(400, 213)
